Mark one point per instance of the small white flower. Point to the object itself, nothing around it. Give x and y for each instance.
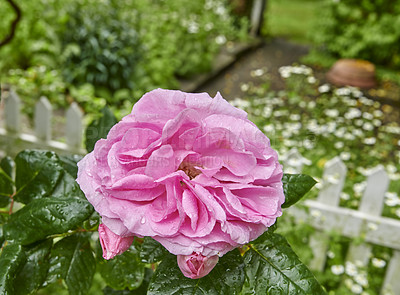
(294, 117)
(331, 113)
(368, 126)
(361, 279)
(345, 156)
(392, 199)
(367, 116)
(377, 122)
(311, 80)
(378, 113)
(391, 168)
(337, 269)
(344, 196)
(220, 39)
(257, 73)
(311, 104)
(324, 88)
(370, 140)
(339, 145)
(244, 87)
(359, 187)
(356, 289)
(331, 255)
(351, 269)
(379, 263)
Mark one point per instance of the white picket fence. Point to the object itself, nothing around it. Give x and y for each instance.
(325, 215)
(13, 140)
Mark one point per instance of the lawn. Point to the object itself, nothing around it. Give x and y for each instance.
(292, 19)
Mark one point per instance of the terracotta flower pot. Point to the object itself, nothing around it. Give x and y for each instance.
(352, 72)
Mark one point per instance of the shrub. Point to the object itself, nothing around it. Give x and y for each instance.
(361, 29)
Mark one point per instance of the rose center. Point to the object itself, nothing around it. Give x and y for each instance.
(189, 170)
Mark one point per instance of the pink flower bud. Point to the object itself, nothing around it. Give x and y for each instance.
(111, 243)
(196, 266)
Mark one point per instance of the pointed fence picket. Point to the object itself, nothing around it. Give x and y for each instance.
(13, 140)
(327, 216)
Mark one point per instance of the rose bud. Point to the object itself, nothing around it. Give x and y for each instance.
(196, 265)
(111, 243)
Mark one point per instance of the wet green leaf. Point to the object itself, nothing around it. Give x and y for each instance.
(37, 173)
(99, 128)
(123, 271)
(272, 267)
(11, 258)
(69, 163)
(6, 189)
(8, 166)
(295, 186)
(227, 277)
(44, 217)
(72, 260)
(152, 251)
(34, 269)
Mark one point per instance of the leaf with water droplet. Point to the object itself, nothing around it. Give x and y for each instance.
(295, 186)
(272, 267)
(44, 217)
(73, 261)
(37, 174)
(12, 256)
(33, 271)
(152, 251)
(123, 271)
(168, 278)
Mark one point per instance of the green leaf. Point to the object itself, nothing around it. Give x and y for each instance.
(34, 271)
(37, 173)
(99, 128)
(227, 277)
(10, 262)
(6, 189)
(8, 166)
(44, 217)
(72, 260)
(152, 251)
(272, 267)
(295, 186)
(67, 187)
(69, 163)
(123, 271)
(142, 290)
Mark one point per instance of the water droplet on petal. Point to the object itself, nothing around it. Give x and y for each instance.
(143, 220)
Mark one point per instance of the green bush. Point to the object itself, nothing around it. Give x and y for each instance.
(100, 46)
(361, 29)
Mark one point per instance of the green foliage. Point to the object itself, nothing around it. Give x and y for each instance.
(227, 277)
(273, 268)
(103, 43)
(72, 260)
(361, 29)
(124, 271)
(295, 186)
(47, 243)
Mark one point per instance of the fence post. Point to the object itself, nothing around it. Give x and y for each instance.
(12, 112)
(392, 282)
(43, 113)
(372, 204)
(74, 126)
(333, 180)
(257, 16)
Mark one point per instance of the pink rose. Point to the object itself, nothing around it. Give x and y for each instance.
(188, 170)
(196, 266)
(111, 243)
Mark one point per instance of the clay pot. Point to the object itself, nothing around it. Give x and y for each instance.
(352, 72)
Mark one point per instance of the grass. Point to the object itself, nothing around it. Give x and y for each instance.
(292, 19)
